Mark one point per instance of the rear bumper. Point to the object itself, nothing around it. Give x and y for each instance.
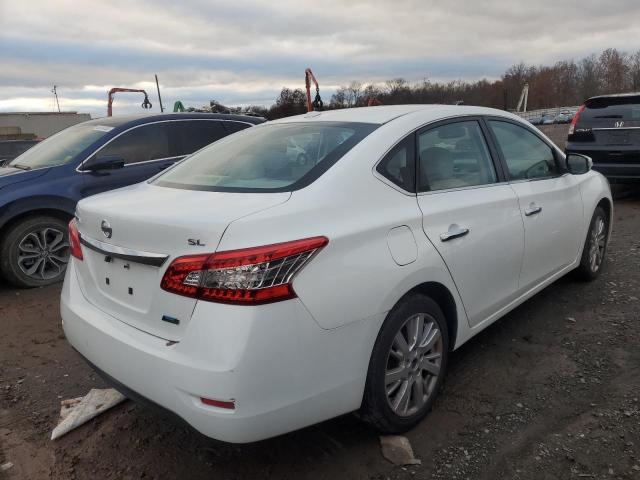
(279, 367)
(613, 164)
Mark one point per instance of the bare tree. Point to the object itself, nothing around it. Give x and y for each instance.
(634, 71)
(565, 83)
(589, 85)
(613, 71)
(353, 93)
(339, 99)
(290, 102)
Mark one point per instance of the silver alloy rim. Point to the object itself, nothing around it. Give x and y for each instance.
(598, 241)
(43, 254)
(413, 364)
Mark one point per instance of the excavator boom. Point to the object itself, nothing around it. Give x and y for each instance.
(146, 104)
(316, 104)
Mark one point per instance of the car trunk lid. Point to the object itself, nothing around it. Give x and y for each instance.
(128, 241)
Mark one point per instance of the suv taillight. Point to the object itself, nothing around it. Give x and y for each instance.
(74, 240)
(574, 120)
(249, 276)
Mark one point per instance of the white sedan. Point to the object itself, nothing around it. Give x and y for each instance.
(252, 294)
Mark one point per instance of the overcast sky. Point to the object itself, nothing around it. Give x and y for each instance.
(244, 51)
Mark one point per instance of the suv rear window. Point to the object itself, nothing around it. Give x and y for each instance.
(269, 158)
(606, 111)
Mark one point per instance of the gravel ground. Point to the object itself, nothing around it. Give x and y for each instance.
(551, 391)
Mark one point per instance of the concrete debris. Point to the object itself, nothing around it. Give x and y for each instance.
(77, 411)
(397, 450)
(5, 466)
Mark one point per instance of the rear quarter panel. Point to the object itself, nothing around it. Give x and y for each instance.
(355, 276)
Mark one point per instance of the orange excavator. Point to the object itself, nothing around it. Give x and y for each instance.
(146, 104)
(316, 104)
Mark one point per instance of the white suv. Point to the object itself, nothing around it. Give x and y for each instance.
(253, 294)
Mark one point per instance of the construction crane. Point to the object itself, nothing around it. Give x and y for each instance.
(316, 104)
(524, 96)
(146, 104)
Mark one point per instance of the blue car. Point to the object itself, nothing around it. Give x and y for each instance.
(40, 188)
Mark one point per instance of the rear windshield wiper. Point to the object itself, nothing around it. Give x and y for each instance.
(21, 167)
(608, 116)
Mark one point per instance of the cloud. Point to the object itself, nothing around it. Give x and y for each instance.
(245, 51)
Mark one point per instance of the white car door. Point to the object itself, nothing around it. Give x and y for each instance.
(470, 215)
(549, 199)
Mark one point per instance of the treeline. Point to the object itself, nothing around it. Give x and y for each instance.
(567, 82)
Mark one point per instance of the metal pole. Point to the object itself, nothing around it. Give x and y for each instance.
(159, 97)
(55, 94)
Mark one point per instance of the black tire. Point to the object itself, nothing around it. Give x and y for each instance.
(377, 407)
(15, 263)
(588, 270)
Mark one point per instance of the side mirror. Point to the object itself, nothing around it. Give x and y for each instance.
(578, 164)
(106, 162)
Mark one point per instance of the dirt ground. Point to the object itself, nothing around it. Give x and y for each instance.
(552, 391)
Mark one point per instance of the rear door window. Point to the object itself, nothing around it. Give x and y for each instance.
(454, 155)
(141, 144)
(192, 135)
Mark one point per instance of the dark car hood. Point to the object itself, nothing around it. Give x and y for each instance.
(10, 175)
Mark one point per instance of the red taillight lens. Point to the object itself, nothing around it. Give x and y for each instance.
(74, 240)
(574, 120)
(249, 276)
(229, 405)
(183, 275)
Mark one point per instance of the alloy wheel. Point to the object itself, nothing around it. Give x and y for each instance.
(43, 254)
(413, 364)
(597, 244)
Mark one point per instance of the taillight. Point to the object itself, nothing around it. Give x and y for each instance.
(248, 276)
(74, 240)
(574, 120)
(228, 404)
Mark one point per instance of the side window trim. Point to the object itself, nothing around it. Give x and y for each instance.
(500, 156)
(495, 160)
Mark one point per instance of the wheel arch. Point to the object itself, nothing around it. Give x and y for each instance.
(445, 300)
(607, 206)
(51, 206)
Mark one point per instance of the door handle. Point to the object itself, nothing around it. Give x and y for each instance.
(532, 210)
(455, 231)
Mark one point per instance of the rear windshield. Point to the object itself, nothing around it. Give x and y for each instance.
(268, 158)
(608, 109)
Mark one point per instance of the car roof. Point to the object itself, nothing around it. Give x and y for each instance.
(139, 119)
(386, 113)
